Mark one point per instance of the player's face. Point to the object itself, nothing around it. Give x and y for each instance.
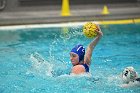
(74, 58)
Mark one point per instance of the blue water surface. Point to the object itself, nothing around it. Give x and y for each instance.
(36, 60)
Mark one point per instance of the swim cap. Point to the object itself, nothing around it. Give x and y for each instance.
(80, 50)
(129, 74)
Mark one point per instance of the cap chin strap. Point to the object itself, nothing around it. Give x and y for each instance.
(81, 62)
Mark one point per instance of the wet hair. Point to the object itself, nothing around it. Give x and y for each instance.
(80, 50)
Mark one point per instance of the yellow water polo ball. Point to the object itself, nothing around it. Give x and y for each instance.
(89, 29)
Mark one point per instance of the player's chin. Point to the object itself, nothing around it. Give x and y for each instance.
(73, 63)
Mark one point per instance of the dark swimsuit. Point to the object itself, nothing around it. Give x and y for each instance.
(138, 79)
(86, 67)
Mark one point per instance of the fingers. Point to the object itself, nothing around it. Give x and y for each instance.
(99, 31)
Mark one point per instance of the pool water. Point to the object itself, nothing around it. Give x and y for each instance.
(36, 60)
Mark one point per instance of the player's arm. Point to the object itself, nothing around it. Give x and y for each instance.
(91, 46)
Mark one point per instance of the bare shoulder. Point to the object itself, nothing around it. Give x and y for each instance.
(78, 69)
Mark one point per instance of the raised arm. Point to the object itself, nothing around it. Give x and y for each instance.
(91, 46)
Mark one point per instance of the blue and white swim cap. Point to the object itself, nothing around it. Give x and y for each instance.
(80, 50)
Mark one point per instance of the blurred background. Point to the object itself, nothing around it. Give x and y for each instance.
(56, 11)
(35, 46)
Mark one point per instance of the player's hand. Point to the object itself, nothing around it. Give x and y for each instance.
(99, 32)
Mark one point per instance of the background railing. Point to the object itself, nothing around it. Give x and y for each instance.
(13, 5)
(73, 2)
(2, 4)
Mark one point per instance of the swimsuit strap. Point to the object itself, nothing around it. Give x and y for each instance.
(86, 67)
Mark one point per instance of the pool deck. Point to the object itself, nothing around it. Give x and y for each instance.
(80, 13)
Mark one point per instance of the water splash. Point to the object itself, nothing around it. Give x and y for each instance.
(40, 65)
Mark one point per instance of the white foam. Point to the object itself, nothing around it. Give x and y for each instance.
(40, 65)
(131, 84)
(81, 75)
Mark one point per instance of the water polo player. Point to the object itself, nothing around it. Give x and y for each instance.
(80, 59)
(130, 77)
